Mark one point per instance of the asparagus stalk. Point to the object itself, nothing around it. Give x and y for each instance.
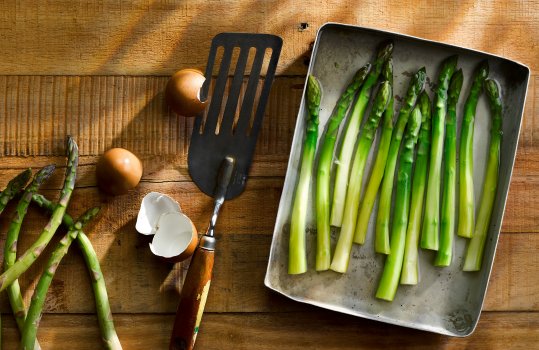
(430, 229)
(344, 244)
(28, 258)
(466, 190)
(381, 241)
(10, 246)
(350, 136)
(474, 253)
(104, 313)
(297, 262)
(14, 187)
(447, 216)
(393, 265)
(31, 323)
(379, 164)
(410, 267)
(323, 256)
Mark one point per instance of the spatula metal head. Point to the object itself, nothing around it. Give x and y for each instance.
(231, 125)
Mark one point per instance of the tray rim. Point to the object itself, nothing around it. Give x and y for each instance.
(384, 319)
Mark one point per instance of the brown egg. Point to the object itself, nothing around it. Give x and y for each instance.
(118, 171)
(183, 92)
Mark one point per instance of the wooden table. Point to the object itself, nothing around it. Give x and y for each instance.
(97, 70)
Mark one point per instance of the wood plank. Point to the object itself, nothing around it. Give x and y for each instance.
(315, 330)
(129, 112)
(262, 193)
(240, 266)
(157, 38)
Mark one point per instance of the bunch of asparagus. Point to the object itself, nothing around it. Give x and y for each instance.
(28, 322)
(424, 212)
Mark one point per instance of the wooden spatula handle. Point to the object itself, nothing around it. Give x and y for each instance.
(192, 300)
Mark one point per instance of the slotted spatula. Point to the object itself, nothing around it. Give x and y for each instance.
(220, 155)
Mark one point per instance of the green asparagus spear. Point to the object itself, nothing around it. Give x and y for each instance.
(297, 262)
(393, 265)
(350, 136)
(379, 164)
(410, 265)
(14, 187)
(323, 257)
(344, 244)
(40, 293)
(10, 246)
(476, 246)
(430, 229)
(466, 191)
(104, 314)
(447, 216)
(28, 258)
(381, 241)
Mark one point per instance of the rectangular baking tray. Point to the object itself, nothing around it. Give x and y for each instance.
(446, 300)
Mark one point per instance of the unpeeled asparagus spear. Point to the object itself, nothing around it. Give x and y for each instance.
(381, 240)
(431, 219)
(297, 257)
(104, 313)
(410, 267)
(377, 172)
(351, 132)
(466, 190)
(40, 293)
(323, 255)
(344, 244)
(14, 187)
(28, 258)
(476, 246)
(393, 265)
(447, 216)
(10, 246)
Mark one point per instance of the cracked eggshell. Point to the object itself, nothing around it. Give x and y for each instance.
(153, 205)
(175, 237)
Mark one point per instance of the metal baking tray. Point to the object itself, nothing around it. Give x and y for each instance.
(446, 300)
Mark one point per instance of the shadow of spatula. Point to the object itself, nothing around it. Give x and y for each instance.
(220, 154)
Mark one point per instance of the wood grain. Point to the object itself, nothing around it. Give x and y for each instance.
(97, 70)
(156, 38)
(314, 330)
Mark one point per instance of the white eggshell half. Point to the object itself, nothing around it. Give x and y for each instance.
(153, 205)
(172, 236)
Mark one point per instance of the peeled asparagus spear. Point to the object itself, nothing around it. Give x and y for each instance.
(104, 314)
(28, 258)
(466, 190)
(377, 172)
(393, 265)
(297, 257)
(476, 246)
(344, 244)
(410, 268)
(431, 219)
(351, 132)
(10, 247)
(447, 216)
(323, 256)
(31, 323)
(381, 241)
